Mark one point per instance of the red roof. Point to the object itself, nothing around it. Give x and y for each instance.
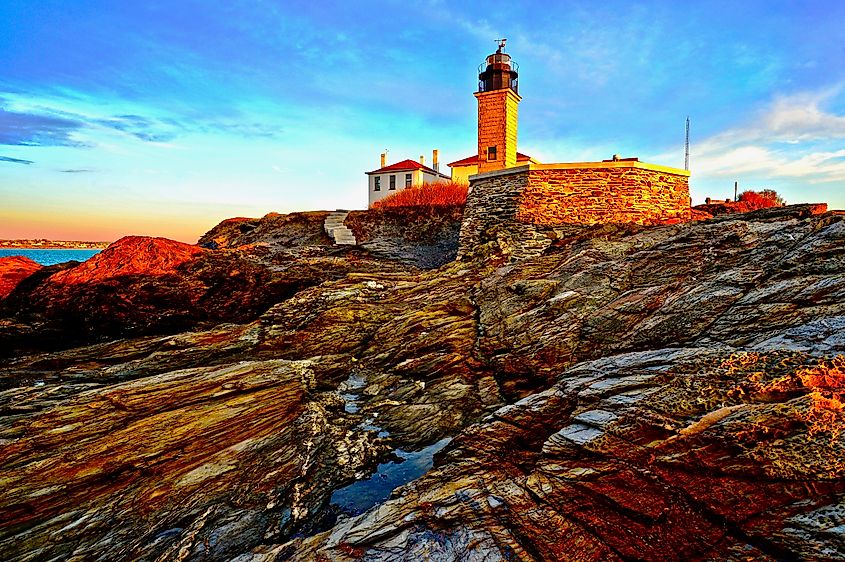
(473, 160)
(405, 165)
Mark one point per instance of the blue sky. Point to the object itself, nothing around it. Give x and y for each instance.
(163, 118)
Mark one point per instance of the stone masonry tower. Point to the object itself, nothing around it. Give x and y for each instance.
(497, 105)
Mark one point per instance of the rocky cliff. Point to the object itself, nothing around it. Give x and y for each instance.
(13, 270)
(141, 285)
(658, 393)
(424, 237)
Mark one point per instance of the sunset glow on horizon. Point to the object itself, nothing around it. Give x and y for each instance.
(163, 118)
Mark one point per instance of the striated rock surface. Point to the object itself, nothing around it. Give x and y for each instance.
(654, 393)
(191, 463)
(13, 270)
(288, 231)
(142, 285)
(424, 237)
(673, 454)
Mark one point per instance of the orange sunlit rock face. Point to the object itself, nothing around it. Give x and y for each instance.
(823, 383)
(604, 195)
(131, 255)
(13, 270)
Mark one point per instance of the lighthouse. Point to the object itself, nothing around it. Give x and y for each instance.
(498, 99)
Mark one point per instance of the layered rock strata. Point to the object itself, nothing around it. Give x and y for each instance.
(662, 392)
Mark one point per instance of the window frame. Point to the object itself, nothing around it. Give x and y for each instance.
(377, 183)
(409, 180)
(392, 182)
(492, 151)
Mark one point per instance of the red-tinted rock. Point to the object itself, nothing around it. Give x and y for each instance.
(143, 285)
(138, 285)
(13, 270)
(131, 255)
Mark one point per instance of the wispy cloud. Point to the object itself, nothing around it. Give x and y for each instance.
(76, 171)
(793, 136)
(15, 160)
(28, 129)
(814, 167)
(71, 119)
(791, 119)
(142, 128)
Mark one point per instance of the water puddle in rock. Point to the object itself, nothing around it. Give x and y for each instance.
(351, 398)
(350, 392)
(360, 496)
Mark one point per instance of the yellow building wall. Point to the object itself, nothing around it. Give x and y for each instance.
(461, 174)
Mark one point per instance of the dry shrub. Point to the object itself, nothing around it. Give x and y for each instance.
(427, 195)
(761, 200)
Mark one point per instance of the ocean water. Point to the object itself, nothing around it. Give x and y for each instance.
(49, 257)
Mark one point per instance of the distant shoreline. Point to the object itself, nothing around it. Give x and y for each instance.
(52, 245)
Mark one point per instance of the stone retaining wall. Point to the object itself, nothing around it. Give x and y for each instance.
(605, 193)
(519, 206)
(492, 206)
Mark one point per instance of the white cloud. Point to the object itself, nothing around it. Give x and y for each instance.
(793, 137)
(799, 118)
(789, 119)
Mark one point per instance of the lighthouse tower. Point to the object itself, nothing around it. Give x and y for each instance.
(497, 109)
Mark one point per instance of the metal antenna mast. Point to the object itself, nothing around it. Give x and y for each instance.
(686, 147)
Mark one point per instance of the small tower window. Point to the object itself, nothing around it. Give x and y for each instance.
(377, 183)
(408, 179)
(491, 153)
(392, 181)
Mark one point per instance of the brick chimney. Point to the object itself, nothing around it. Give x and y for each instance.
(422, 159)
(435, 163)
(383, 159)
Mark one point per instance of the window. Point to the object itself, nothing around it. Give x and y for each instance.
(392, 182)
(491, 153)
(377, 183)
(408, 179)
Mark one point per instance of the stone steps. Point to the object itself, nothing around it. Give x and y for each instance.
(334, 227)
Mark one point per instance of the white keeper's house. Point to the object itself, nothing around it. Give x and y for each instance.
(401, 175)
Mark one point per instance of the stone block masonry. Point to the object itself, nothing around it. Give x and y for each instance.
(606, 192)
(519, 207)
